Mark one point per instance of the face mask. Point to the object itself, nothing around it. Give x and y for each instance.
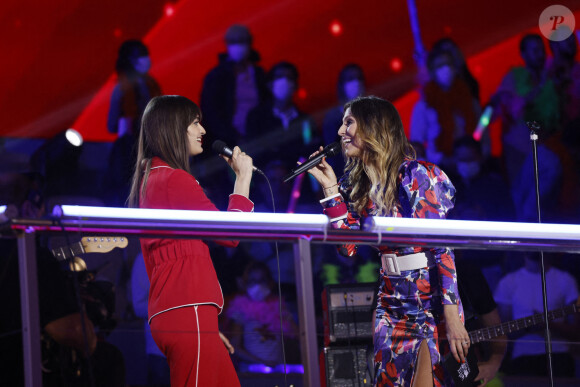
(353, 89)
(282, 89)
(238, 52)
(258, 292)
(467, 169)
(444, 76)
(142, 64)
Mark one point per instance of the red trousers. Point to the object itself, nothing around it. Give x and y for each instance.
(196, 355)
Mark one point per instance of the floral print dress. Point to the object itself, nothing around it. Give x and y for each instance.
(410, 305)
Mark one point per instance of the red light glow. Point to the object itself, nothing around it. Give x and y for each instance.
(396, 65)
(169, 10)
(302, 94)
(336, 28)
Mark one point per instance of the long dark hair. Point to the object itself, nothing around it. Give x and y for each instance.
(374, 175)
(164, 135)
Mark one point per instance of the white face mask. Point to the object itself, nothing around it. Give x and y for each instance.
(283, 89)
(258, 292)
(238, 52)
(353, 89)
(467, 169)
(142, 64)
(445, 76)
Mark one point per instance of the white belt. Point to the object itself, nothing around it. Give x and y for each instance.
(394, 265)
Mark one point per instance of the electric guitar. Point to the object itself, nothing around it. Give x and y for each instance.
(60, 361)
(464, 373)
(490, 333)
(90, 244)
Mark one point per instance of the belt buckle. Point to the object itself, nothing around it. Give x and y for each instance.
(390, 264)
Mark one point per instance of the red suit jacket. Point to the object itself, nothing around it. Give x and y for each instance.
(181, 271)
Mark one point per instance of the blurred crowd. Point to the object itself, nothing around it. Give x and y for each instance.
(247, 105)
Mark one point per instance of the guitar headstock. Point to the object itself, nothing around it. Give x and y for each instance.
(103, 244)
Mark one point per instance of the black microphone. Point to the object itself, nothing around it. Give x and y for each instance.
(222, 148)
(329, 151)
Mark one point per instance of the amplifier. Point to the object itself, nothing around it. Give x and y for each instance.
(348, 366)
(348, 312)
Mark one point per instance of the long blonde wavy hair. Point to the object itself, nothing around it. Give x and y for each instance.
(374, 173)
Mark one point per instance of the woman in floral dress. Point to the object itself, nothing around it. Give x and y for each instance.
(418, 288)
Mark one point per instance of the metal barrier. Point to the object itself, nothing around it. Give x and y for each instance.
(302, 229)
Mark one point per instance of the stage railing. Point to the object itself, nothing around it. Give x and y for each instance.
(302, 229)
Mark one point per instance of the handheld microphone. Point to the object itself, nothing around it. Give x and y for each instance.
(329, 151)
(222, 148)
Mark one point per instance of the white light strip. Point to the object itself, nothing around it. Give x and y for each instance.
(254, 218)
(469, 228)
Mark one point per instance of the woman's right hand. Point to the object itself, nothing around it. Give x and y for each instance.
(325, 175)
(240, 162)
(242, 165)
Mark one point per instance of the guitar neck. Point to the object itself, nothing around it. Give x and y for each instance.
(492, 332)
(67, 252)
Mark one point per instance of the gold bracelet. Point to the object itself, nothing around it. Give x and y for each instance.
(332, 186)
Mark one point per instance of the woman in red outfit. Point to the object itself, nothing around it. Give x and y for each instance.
(185, 297)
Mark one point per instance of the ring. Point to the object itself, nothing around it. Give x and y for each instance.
(465, 342)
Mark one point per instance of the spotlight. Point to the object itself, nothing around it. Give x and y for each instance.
(74, 137)
(57, 160)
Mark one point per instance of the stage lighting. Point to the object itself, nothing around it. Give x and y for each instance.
(57, 160)
(200, 219)
(73, 137)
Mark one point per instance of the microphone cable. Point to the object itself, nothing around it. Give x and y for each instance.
(279, 283)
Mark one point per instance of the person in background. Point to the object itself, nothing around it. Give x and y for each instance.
(463, 72)
(277, 129)
(482, 192)
(185, 297)
(134, 88)
(525, 94)
(418, 286)
(69, 340)
(564, 70)
(480, 312)
(446, 111)
(519, 295)
(255, 320)
(351, 84)
(232, 88)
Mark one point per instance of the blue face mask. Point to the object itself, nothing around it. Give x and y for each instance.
(142, 64)
(258, 292)
(238, 52)
(444, 76)
(353, 89)
(283, 89)
(468, 169)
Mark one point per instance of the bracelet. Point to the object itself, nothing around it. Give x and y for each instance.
(334, 185)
